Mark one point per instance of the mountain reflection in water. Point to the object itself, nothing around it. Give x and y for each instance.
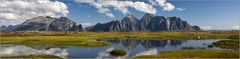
(147, 44)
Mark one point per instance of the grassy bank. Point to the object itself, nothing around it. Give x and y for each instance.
(32, 57)
(227, 44)
(53, 41)
(88, 39)
(195, 54)
(132, 35)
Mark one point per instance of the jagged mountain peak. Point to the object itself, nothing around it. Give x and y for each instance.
(129, 15)
(63, 18)
(9, 27)
(129, 18)
(174, 17)
(159, 18)
(40, 17)
(149, 15)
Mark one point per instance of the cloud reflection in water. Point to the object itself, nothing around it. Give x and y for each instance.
(20, 50)
(148, 52)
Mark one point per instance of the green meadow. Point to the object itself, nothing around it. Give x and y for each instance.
(33, 57)
(89, 39)
(227, 44)
(92, 39)
(194, 54)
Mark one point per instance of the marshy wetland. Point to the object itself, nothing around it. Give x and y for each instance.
(134, 44)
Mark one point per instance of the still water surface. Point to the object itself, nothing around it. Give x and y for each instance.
(133, 48)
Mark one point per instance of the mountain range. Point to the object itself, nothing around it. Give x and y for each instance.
(46, 24)
(148, 23)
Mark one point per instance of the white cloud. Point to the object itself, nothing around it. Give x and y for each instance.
(206, 27)
(17, 11)
(168, 7)
(86, 24)
(110, 15)
(101, 8)
(180, 9)
(140, 6)
(164, 4)
(143, 7)
(23, 50)
(149, 52)
(122, 6)
(105, 53)
(218, 28)
(235, 28)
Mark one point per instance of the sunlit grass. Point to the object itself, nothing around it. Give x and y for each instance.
(55, 41)
(132, 35)
(227, 44)
(32, 57)
(195, 54)
(86, 39)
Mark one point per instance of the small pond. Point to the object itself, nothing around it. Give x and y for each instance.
(133, 48)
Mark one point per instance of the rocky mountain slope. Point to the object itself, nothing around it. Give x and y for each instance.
(9, 28)
(49, 24)
(148, 23)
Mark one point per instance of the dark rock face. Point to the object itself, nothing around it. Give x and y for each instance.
(129, 23)
(49, 24)
(148, 23)
(101, 27)
(157, 23)
(197, 28)
(62, 24)
(145, 20)
(77, 28)
(80, 28)
(3, 27)
(160, 23)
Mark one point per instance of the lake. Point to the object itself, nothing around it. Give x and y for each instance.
(133, 48)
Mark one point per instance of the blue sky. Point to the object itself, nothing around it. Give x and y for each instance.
(211, 14)
(208, 14)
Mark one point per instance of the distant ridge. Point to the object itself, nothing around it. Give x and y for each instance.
(148, 23)
(49, 24)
